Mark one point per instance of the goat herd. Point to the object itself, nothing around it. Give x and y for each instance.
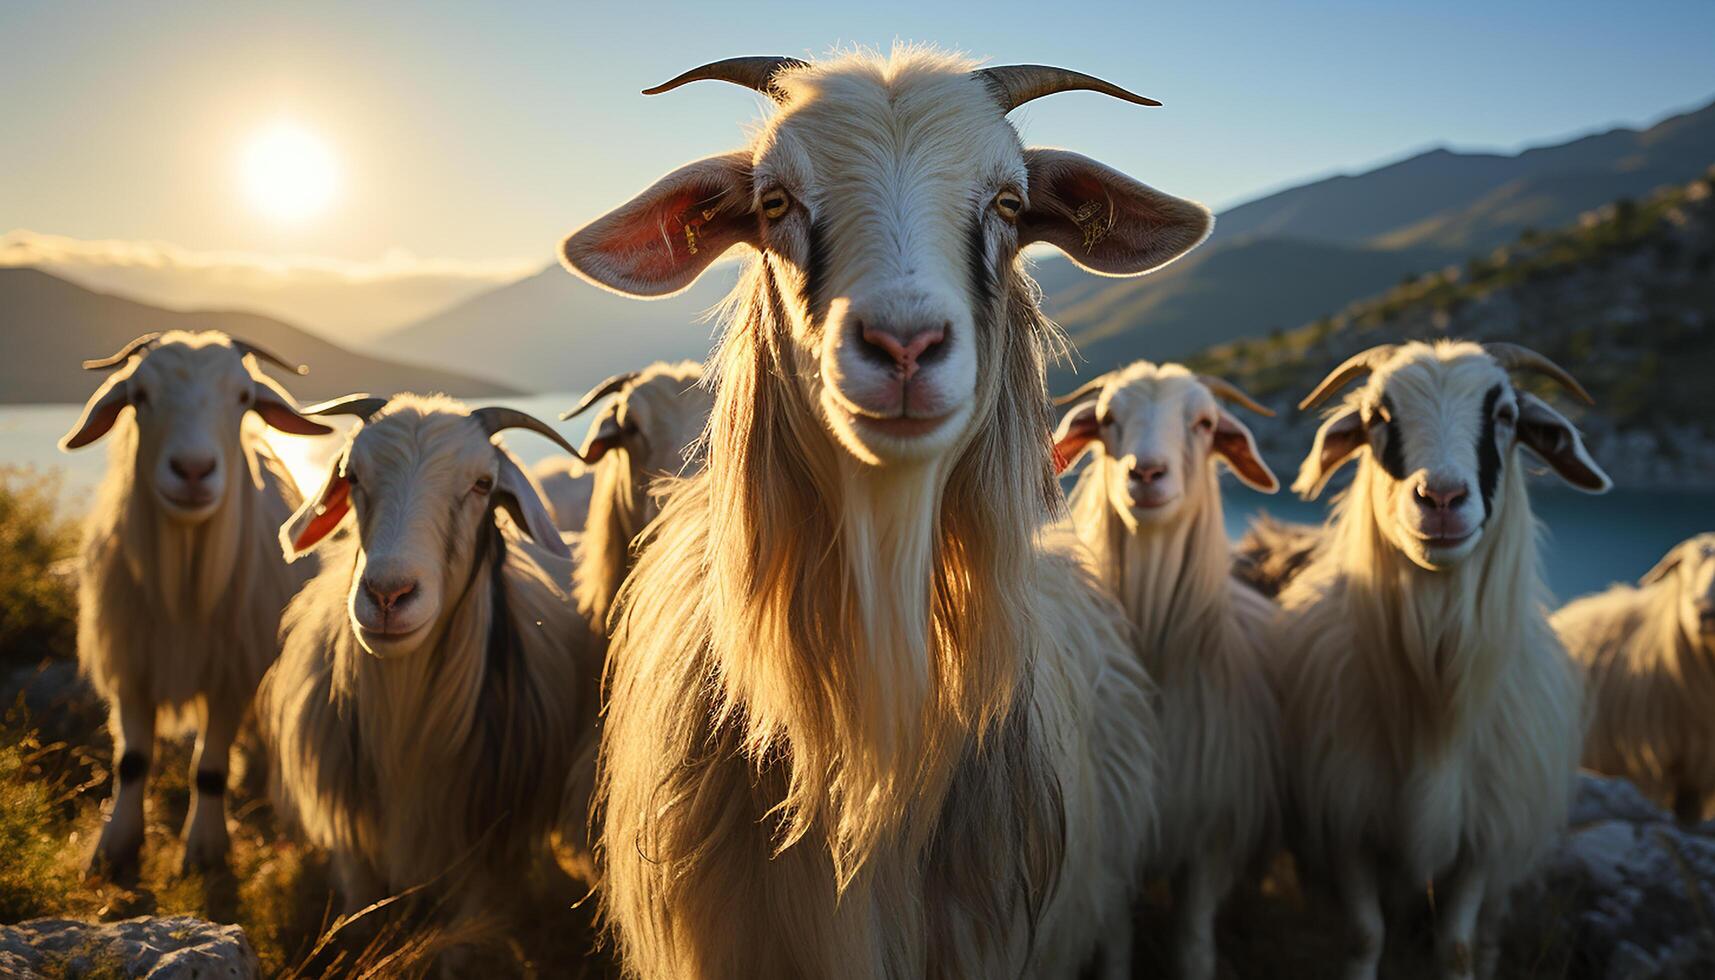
(834, 686)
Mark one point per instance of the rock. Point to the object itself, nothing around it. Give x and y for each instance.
(173, 948)
(1641, 888)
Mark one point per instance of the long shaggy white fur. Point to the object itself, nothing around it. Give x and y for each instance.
(178, 619)
(439, 766)
(1202, 635)
(1648, 656)
(867, 703)
(1432, 716)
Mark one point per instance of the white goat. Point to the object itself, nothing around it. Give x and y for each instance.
(863, 719)
(1648, 655)
(1148, 508)
(1432, 716)
(645, 433)
(565, 484)
(180, 587)
(435, 679)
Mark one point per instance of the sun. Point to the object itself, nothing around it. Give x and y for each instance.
(288, 172)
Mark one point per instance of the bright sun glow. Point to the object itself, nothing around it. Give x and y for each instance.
(289, 172)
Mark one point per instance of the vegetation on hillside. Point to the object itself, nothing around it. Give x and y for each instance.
(1624, 298)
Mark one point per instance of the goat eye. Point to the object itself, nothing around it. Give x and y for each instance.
(1507, 415)
(1205, 425)
(1008, 205)
(139, 397)
(244, 398)
(775, 204)
(483, 484)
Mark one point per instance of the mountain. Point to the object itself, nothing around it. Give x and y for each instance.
(49, 325)
(1623, 297)
(1308, 250)
(554, 332)
(1272, 263)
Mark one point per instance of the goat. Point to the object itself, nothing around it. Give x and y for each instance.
(565, 484)
(179, 587)
(435, 669)
(1148, 508)
(856, 688)
(642, 435)
(1648, 655)
(1432, 717)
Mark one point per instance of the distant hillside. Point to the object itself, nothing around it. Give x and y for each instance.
(49, 325)
(554, 332)
(1624, 298)
(1290, 255)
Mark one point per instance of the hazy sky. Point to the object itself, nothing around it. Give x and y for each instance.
(485, 131)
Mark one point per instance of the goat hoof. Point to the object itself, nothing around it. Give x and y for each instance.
(119, 865)
(203, 858)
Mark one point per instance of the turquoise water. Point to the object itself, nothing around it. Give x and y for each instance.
(1591, 541)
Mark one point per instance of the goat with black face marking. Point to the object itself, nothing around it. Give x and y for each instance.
(180, 587)
(435, 681)
(1432, 716)
(1648, 653)
(1148, 508)
(857, 691)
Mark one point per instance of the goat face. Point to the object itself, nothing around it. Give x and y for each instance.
(653, 420)
(421, 476)
(189, 394)
(1440, 424)
(888, 198)
(1155, 429)
(1690, 566)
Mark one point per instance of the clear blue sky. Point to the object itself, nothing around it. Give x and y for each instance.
(484, 131)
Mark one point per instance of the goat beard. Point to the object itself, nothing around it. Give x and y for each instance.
(832, 658)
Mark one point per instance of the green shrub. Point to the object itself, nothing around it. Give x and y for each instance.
(38, 601)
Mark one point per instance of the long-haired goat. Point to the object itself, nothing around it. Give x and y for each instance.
(180, 587)
(1432, 717)
(642, 435)
(434, 682)
(1648, 655)
(1148, 508)
(863, 720)
(565, 484)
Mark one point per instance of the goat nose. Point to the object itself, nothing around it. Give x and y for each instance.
(191, 469)
(1441, 496)
(388, 595)
(1148, 471)
(907, 346)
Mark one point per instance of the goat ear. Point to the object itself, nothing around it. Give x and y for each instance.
(605, 436)
(516, 492)
(99, 413)
(1077, 430)
(660, 241)
(1102, 219)
(1669, 562)
(1556, 442)
(276, 408)
(1337, 441)
(317, 517)
(1235, 444)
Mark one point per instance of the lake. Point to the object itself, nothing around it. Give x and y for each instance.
(1591, 541)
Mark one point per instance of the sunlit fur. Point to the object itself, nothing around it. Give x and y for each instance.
(441, 765)
(1649, 674)
(566, 485)
(1204, 639)
(863, 720)
(659, 416)
(173, 616)
(1432, 716)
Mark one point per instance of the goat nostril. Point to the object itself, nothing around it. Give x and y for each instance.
(1148, 472)
(387, 597)
(190, 469)
(903, 352)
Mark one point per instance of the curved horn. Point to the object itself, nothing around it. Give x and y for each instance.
(495, 419)
(1014, 85)
(753, 73)
(246, 347)
(1356, 366)
(1516, 358)
(1094, 384)
(1228, 392)
(123, 354)
(596, 394)
(361, 405)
